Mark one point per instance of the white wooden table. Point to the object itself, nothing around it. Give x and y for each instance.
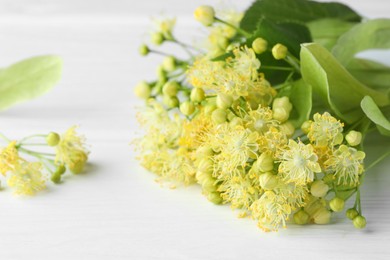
(116, 210)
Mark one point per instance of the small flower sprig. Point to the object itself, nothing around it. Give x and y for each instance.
(26, 176)
(239, 118)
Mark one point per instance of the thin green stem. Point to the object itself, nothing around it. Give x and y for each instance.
(293, 62)
(34, 153)
(276, 68)
(239, 30)
(234, 112)
(5, 138)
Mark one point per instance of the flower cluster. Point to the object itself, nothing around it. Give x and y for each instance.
(29, 177)
(218, 122)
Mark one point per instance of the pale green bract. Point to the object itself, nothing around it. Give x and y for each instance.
(373, 112)
(28, 79)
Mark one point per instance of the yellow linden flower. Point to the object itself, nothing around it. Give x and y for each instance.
(236, 146)
(295, 195)
(9, 157)
(245, 62)
(325, 130)
(194, 132)
(240, 190)
(260, 119)
(273, 141)
(71, 151)
(178, 168)
(203, 71)
(347, 165)
(271, 211)
(27, 179)
(261, 93)
(298, 163)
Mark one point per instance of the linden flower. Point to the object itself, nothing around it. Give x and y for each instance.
(71, 152)
(178, 168)
(294, 194)
(347, 164)
(259, 120)
(298, 163)
(166, 27)
(202, 73)
(245, 62)
(240, 190)
(9, 157)
(272, 141)
(236, 145)
(271, 211)
(325, 130)
(27, 178)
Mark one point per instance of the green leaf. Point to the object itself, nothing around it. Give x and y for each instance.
(372, 111)
(373, 74)
(299, 11)
(334, 84)
(28, 79)
(300, 96)
(373, 34)
(327, 31)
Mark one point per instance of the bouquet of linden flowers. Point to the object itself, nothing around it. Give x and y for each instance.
(271, 116)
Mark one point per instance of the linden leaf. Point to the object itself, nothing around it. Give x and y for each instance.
(373, 34)
(298, 11)
(373, 112)
(28, 79)
(334, 84)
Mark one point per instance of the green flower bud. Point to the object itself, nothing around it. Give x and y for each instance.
(336, 204)
(338, 138)
(205, 14)
(282, 102)
(287, 128)
(301, 217)
(157, 38)
(206, 165)
(187, 108)
(279, 51)
(171, 102)
(169, 64)
(208, 184)
(197, 95)
(351, 213)
(223, 42)
(265, 163)
(280, 114)
(259, 45)
(56, 176)
(319, 188)
(52, 139)
(214, 197)
(306, 126)
(353, 138)
(224, 101)
(209, 108)
(143, 90)
(219, 116)
(171, 88)
(204, 152)
(359, 222)
(143, 50)
(268, 181)
(322, 216)
(161, 74)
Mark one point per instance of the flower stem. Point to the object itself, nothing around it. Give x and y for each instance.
(239, 30)
(378, 160)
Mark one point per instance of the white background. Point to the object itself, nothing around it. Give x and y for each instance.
(116, 210)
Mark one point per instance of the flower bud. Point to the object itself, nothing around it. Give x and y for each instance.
(287, 128)
(319, 188)
(359, 222)
(197, 95)
(306, 126)
(280, 114)
(236, 121)
(171, 102)
(301, 217)
(219, 116)
(268, 181)
(157, 38)
(169, 64)
(214, 197)
(209, 108)
(265, 163)
(161, 74)
(279, 51)
(56, 176)
(171, 88)
(206, 166)
(187, 108)
(143, 90)
(143, 50)
(208, 184)
(224, 101)
(259, 45)
(322, 216)
(351, 213)
(353, 138)
(282, 102)
(79, 162)
(204, 151)
(52, 139)
(336, 204)
(338, 138)
(205, 14)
